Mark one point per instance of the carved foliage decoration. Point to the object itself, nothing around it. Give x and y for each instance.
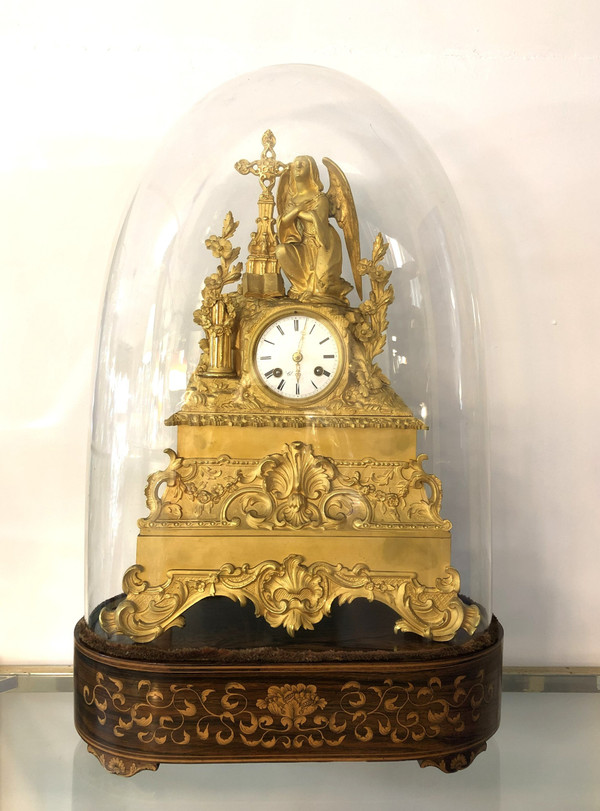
(294, 490)
(291, 594)
(217, 314)
(123, 766)
(369, 325)
(455, 762)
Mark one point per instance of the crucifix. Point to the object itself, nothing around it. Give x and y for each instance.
(262, 278)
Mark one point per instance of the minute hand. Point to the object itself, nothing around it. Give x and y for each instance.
(303, 336)
(297, 356)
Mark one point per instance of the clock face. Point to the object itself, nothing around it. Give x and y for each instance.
(297, 356)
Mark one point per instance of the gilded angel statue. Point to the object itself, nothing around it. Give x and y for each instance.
(310, 249)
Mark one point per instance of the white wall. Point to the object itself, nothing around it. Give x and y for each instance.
(507, 93)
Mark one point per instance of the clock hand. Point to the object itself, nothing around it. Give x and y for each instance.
(297, 356)
(303, 336)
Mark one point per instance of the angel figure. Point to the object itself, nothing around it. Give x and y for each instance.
(310, 249)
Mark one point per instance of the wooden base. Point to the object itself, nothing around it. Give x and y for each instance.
(135, 713)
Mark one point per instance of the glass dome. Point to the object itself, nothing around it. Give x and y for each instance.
(427, 332)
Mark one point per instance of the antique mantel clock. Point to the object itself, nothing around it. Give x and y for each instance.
(295, 493)
(296, 480)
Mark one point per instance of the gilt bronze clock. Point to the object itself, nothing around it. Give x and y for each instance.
(296, 488)
(296, 480)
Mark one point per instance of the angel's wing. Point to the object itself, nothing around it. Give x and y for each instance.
(341, 206)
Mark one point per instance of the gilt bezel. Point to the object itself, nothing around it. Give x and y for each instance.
(299, 402)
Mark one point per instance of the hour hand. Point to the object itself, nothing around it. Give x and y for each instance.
(297, 358)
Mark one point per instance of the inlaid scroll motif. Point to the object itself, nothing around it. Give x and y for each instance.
(291, 715)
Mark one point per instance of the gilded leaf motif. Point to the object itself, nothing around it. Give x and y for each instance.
(298, 469)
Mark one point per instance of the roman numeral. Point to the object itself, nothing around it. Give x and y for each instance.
(266, 340)
(270, 373)
(297, 388)
(325, 372)
(281, 385)
(268, 357)
(314, 384)
(296, 325)
(313, 326)
(324, 339)
(279, 328)
(329, 356)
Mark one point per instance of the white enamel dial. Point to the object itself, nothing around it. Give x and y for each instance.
(297, 356)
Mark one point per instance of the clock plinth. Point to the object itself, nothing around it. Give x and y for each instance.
(266, 285)
(293, 531)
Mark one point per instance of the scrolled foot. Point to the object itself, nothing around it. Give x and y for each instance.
(123, 766)
(455, 761)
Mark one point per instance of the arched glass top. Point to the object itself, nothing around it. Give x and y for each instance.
(149, 344)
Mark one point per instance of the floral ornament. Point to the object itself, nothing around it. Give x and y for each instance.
(218, 311)
(169, 715)
(294, 490)
(457, 763)
(124, 767)
(293, 701)
(370, 326)
(189, 489)
(219, 247)
(293, 595)
(298, 478)
(364, 332)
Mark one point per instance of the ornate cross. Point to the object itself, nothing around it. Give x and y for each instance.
(267, 168)
(262, 277)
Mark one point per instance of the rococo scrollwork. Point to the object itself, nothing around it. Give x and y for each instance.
(295, 489)
(291, 594)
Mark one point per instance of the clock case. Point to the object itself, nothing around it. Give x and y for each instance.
(303, 509)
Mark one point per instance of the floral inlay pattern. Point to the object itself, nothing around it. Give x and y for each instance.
(290, 715)
(295, 701)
